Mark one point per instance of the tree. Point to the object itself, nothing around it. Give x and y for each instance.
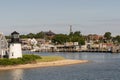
(23, 36)
(117, 39)
(30, 35)
(71, 34)
(40, 35)
(7, 37)
(60, 38)
(107, 35)
(77, 37)
(76, 33)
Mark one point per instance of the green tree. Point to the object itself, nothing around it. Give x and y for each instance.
(77, 37)
(30, 35)
(116, 39)
(23, 36)
(60, 38)
(107, 35)
(40, 35)
(71, 34)
(7, 37)
(77, 33)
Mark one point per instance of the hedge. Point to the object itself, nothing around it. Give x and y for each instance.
(24, 60)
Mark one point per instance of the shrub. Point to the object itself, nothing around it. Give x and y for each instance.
(24, 60)
(30, 58)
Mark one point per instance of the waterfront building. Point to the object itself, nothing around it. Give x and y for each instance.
(33, 42)
(15, 46)
(83, 48)
(68, 47)
(95, 37)
(50, 34)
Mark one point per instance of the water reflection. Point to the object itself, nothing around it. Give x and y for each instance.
(70, 55)
(17, 74)
(11, 74)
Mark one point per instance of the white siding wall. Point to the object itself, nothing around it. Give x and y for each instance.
(15, 50)
(3, 45)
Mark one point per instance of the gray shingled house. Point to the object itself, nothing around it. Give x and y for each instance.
(3, 46)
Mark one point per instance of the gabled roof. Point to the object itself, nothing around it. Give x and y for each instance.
(14, 33)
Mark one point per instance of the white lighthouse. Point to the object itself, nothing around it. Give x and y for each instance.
(15, 46)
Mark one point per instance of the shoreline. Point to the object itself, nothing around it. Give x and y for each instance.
(44, 64)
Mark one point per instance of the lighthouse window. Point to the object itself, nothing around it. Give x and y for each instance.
(12, 54)
(16, 36)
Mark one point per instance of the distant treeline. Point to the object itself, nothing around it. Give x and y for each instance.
(72, 37)
(56, 38)
(31, 35)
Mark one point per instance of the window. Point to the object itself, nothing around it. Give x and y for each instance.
(12, 54)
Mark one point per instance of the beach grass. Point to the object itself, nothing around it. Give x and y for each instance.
(50, 58)
(29, 59)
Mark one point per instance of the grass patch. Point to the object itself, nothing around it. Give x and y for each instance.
(26, 59)
(50, 58)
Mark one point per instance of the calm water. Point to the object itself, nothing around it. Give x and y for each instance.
(104, 66)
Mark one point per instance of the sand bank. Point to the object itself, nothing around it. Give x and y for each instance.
(44, 64)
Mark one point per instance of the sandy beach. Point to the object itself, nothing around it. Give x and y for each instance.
(44, 64)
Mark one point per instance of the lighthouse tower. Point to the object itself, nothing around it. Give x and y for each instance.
(15, 46)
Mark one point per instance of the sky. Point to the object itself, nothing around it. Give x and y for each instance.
(87, 16)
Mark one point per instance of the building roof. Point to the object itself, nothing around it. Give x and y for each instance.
(49, 33)
(14, 33)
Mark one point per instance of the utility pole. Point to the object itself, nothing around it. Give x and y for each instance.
(70, 28)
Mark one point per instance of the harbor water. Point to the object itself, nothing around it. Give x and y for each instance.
(102, 66)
